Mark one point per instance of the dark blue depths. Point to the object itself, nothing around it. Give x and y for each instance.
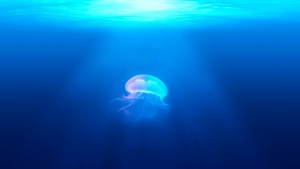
(234, 95)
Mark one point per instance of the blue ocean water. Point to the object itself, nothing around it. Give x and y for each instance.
(232, 69)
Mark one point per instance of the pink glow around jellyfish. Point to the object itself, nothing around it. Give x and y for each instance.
(146, 88)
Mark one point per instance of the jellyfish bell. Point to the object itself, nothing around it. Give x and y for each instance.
(146, 84)
(147, 91)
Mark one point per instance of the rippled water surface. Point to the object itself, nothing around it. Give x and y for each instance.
(138, 12)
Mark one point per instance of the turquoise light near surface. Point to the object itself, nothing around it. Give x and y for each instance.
(124, 12)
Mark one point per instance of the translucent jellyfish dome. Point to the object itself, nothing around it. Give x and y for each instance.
(147, 89)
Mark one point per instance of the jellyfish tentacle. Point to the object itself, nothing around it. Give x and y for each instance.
(131, 99)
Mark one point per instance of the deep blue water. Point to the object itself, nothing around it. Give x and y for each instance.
(233, 93)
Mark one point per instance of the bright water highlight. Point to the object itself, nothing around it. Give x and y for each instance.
(97, 13)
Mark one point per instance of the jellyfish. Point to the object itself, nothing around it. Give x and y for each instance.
(145, 92)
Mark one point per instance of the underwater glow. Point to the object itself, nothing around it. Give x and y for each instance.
(142, 5)
(139, 12)
(147, 90)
